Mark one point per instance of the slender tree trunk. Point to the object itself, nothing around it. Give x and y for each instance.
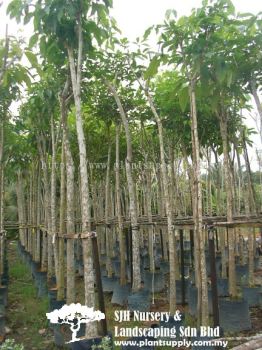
(29, 213)
(166, 199)
(241, 194)
(209, 184)
(240, 180)
(177, 204)
(251, 190)
(34, 209)
(19, 208)
(101, 215)
(109, 248)
(2, 178)
(251, 208)
(197, 213)
(229, 192)
(75, 70)
(241, 250)
(112, 216)
(251, 253)
(258, 103)
(47, 261)
(259, 159)
(196, 239)
(38, 217)
(132, 194)
(5, 64)
(148, 195)
(70, 225)
(53, 198)
(221, 233)
(62, 226)
(70, 198)
(161, 210)
(20, 205)
(171, 199)
(119, 213)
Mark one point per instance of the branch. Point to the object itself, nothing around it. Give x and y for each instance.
(68, 99)
(80, 51)
(65, 91)
(72, 69)
(5, 65)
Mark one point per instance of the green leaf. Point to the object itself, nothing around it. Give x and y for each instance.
(229, 78)
(170, 13)
(21, 76)
(108, 3)
(220, 69)
(183, 97)
(147, 32)
(152, 68)
(27, 18)
(31, 58)
(14, 9)
(246, 14)
(182, 21)
(33, 40)
(230, 7)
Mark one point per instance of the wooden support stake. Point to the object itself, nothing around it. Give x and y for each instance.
(26, 239)
(192, 246)
(131, 252)
(99, 284)
(260, 238)
(182, 267)
(216, 240)
(127, 245)
(162, 245)
(213, 276)
(41, 246)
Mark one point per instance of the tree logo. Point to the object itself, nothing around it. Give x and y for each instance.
(74, 315)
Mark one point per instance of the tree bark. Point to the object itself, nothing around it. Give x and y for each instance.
(62, 227)
(258, 103)
(35, 181)
(20, 207)
(132, 194)
(171, 199)
(70, 198)
(251, 208)
(47, 261)
(53, 198)
(109, 247)
(1, 194)
(190, 175)
(251, 190)
(150, 230)
(119, 213)
(75, 70)
(197, 211)
(38, 218)
(166, 200)
(229, 192)
(70, 225)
